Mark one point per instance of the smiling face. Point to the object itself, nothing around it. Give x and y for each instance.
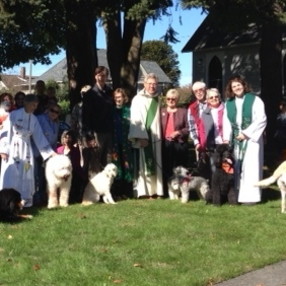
(213, 97)
(150, 84)
(237, 88)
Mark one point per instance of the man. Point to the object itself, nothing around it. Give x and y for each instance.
(145, 134)
(195, 111)
(97, 107)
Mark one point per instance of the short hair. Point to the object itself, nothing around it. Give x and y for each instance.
(173, 92)
(122, 91)
(198, 85)
(150, 75)
(101, 69)
(31, 98)
(209, 90)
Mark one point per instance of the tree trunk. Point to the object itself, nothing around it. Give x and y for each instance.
(81, 47)
(271, 75)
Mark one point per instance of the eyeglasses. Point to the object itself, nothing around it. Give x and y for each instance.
(214, 97)
(171, 99)
(54, 111)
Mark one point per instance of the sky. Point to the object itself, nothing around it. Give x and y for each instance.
(190, 21)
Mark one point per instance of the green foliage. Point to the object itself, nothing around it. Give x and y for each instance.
(164, 55)
(141, 242)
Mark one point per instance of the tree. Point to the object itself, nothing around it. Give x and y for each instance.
(164, 55)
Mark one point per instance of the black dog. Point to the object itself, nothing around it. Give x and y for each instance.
(222, 185)
(10, 205)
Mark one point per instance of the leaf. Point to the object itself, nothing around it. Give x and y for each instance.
(137, 265)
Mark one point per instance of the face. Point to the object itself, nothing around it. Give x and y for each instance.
(101, 78)
(91, 143)
(118, 99)
(200, 93)
(171, 100)
(54, 112)
(30, 107)
(213, 99)
(237, 88)
(151, 86)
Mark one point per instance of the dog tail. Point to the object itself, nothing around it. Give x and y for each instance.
(266, 182)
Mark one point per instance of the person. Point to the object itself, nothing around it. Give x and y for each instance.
(175, 133)
(121, 147)
(49, 122)
(145, 135)
(210, 128)
(17, 170)
(97, 107)
(244, 122)
(280, 133)
(196, 109)
(19, 99)
(7, 101)
(40, 91)
(69, 148)
(76, 115)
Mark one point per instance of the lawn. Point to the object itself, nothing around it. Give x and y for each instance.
(142, 242)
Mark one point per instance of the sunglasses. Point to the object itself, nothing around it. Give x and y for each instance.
(54, 111)
(213, 97)
(170, 99)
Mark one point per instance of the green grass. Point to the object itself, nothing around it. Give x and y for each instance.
(141, 242)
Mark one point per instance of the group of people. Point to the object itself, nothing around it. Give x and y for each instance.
(146, 138)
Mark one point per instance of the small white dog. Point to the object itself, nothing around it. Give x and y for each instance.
(279, 175)
(99, 185)
(59, 176)
(181, 183)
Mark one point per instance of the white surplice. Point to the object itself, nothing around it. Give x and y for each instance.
(252, 165)
(18, 171)
(147, 185)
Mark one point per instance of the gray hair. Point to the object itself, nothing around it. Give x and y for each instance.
(150, 75)
(215, 90)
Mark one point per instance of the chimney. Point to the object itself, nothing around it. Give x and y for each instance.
(23, 72)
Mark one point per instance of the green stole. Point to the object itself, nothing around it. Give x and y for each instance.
(149, 157)
(246, 120)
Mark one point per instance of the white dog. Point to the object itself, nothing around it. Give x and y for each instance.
(181, 183)
(59, 176)
(99, 185)
(279, 175)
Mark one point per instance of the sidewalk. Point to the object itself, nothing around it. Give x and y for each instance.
(271, 275)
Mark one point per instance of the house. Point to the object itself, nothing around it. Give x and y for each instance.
(15, 83)
(58, 72)
(218, 55)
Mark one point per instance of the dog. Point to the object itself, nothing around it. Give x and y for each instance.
(222, 183)
(99, 185)
(58, 173)
(181, 183)
(11, 205)
(279, 176)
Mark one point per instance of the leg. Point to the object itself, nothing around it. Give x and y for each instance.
(52, 198)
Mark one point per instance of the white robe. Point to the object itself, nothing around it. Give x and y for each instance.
(147, 185)
(252, 165)
(18, 171)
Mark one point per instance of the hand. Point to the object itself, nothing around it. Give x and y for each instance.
(241, 137)
(143, 143)
(175, 134)
(198, 147)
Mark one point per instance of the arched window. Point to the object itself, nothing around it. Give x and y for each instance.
(215, 74)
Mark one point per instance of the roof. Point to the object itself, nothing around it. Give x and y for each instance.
(58, 72)
(209, 35)
(8, 81)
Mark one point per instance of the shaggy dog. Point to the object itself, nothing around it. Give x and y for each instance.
(10, 205)
(59, 176)
(222, 185)
(181, 183)
(279, 175)
(99, 185)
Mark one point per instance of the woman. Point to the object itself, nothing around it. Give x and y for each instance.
(49, 122)
(175, 133)
(121, 147)
(17, 170)
(210, 129)
(244, 123)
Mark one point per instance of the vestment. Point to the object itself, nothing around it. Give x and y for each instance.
(149, 181)
(249, 158)
(175, 150)
(18, 171)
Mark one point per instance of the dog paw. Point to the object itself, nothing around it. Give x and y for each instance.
(86, 203)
